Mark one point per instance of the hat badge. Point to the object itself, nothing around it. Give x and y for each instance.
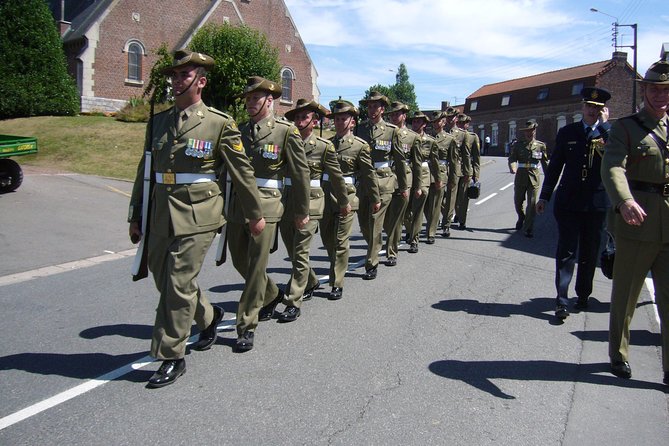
(271, 86)
(594, 95)
(663, 77)
(201, 56)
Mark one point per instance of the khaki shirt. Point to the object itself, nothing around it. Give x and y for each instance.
(412, 157)
(383, 140)
(446, 148)
(276, 150)
(208, 141)
(322, 159)
(529, 156)
(460, 159)
(631, 153)
(355, 162)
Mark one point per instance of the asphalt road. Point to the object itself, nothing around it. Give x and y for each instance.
(455, 345)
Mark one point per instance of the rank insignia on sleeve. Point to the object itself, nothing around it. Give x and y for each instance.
(233, 125)
(296, 132)
(238, 147)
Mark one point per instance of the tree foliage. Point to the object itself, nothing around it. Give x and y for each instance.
(33, 70)
(402, 90)
(158, 82)
(239, 52)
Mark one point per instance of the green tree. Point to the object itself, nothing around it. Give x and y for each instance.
(33, 69)
(157, 80)
(403, 90)
(239, 52)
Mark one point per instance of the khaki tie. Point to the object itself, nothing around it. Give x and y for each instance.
(662, 127)
(180, 120)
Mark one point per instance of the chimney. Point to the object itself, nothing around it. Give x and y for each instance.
(445, 105)
(619, 56)
(63, 26)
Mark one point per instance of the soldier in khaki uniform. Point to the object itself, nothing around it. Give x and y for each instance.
(525, 158)
(355, 162)
(635, 173)
(323, 164)
(446, 145)
(383, 140)
(459, 172)
(429, 168)
(474, 144)
(276, 150)
(410, 146)
(190, 143)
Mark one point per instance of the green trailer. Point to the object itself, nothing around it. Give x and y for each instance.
(11, 175)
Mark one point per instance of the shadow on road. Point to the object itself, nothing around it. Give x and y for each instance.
(480, 373)
(78, 365)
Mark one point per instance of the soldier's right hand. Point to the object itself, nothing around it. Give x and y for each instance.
(135, 232)
(540, 206)
(256, 226)
(376, 207)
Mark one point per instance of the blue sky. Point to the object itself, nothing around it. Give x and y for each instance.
(451, 48)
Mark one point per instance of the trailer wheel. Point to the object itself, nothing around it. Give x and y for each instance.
(11, 175)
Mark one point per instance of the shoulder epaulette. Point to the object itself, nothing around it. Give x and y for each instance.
(283, 121)
(360, 140)
(392, 126)
(320, 138)
(218, 112)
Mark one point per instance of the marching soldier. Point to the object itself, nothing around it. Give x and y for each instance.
(474, 143)
(383, 140)
(323, 163)
(355, 163)
(526, 156)
(635, 172)
(446, 145)
(276, 150)
(429, 167)
(581, 202)
(189, 143)
(459, 172)
(410, 145)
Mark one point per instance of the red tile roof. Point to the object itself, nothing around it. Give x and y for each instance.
(542, 79)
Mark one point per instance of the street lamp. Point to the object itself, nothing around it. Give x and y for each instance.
(616, 46)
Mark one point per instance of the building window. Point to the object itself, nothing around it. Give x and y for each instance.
(494, 135)
(473, 105)
(287, 77)
(542, 95)
(576, 88)
(505, 100)
(561, 121)
(512, 130)
(135, 51)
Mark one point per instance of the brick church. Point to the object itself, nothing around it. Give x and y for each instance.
(110, 44)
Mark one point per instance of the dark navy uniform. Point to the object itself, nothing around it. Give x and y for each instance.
(580, 204)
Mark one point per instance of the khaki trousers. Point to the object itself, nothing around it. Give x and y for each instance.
(250, 256)
(433, 209)
(336, 234)
(634, 259)
(175, 263)
(373, 222)
(393, 223)
(450, 199)
(298, 243)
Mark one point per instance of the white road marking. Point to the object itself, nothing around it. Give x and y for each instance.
(651, 290)
(87, 386)
(485, 199)
(507, 186)
(64, 267)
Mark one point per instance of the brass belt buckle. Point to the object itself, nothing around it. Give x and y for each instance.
(169, 178)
